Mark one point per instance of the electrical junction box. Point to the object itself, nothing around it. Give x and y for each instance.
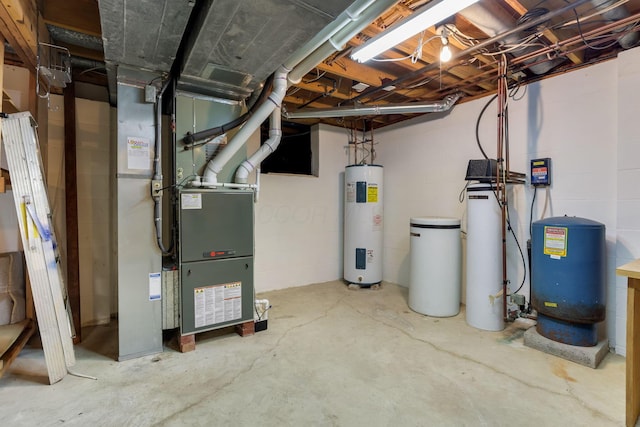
(541, 172)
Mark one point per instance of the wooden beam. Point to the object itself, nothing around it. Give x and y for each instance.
(575, 57)
(26, 329)
(82, 16)
(430, 54)
(350, 69)
(71, 199)
(18, 24)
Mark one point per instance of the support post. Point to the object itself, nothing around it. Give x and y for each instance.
(71, 199)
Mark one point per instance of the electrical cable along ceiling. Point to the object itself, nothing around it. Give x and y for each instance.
(228, 48)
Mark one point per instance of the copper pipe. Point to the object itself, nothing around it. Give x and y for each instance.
(501, 185)
(490, 74)
(473, 49)
(578, 39)
(479, 78)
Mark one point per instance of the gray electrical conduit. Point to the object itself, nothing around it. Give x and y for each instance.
(350, 22)
(157, 172)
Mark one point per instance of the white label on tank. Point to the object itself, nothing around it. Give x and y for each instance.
(554, 256)
(369, 256)
(191, 201)
(351, 192)
(376, 219)
(216, 304)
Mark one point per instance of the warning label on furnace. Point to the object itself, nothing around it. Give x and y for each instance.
(555, 241)
(217, 303)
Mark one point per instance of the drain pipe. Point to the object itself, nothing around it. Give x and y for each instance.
(352, 13)
(274, 101)
(336, 41)
(374, 110)
(275, 135)
(347, 25)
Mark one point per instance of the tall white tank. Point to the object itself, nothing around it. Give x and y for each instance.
(484, 259)
(363, 223)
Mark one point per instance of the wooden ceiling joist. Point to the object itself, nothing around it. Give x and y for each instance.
(19, 26)
(82, 16)
(576, 58)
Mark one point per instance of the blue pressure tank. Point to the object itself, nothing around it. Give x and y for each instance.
(568, 278)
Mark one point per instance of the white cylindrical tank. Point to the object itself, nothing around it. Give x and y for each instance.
(484, 259)
(436, 266)
(363, 219)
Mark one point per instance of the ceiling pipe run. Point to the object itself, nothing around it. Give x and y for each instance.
(375, 110)
(339, 39)
(617, 13)
(215, 165)
(351, 22)
(469, 51)
(265, 150)
(492, 22)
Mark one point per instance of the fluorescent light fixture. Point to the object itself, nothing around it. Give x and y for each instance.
(431, 14)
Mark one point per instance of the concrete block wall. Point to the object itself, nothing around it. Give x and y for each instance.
(298, 219)
(628, 179)
(583, 120)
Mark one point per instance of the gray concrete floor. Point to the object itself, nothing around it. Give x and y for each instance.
(331, 356)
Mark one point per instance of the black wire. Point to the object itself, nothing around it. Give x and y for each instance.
(613, 43)
(478, 125)
(533, 200)
(524, 277)
(524, 264)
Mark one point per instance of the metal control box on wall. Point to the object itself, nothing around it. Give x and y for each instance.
(216, 259)
(541, 172)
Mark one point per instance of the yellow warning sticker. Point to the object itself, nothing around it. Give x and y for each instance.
(550, 304)
(372, 193)
(555, 241)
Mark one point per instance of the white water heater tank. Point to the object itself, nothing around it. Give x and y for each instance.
(363, 220)
(484, 259)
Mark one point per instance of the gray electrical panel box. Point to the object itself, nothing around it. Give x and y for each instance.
(216, 259)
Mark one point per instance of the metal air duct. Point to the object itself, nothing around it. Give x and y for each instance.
(375, 110)
(495, 21)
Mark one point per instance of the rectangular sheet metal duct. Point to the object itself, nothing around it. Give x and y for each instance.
(235, 45)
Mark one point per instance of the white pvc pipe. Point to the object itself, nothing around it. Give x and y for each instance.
(275, 135)
(336, 41)
(210, 178)
(352, 13)
(343, 28)
(374, 110)
(257, 191)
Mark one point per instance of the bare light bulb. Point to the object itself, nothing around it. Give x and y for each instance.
(445, 53)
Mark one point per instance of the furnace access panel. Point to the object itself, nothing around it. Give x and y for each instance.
(216, 259)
